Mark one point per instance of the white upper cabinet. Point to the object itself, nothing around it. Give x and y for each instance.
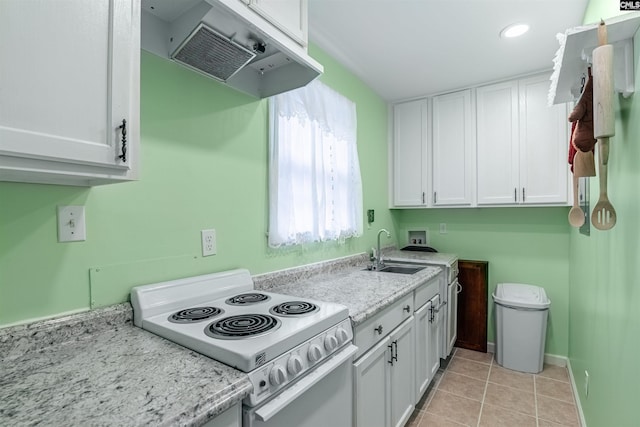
(497, 139)
(522, 144)
(410, 154)
(499, 144)
(289, 16)
(70, 80)
(544, 144)
(453, 165)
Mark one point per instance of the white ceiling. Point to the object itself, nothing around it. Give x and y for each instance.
(409, 48)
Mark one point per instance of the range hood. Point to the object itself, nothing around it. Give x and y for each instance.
(228, 42)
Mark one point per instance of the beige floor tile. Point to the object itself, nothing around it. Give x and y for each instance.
(510, 398)
(479, 371)
(461, 385)
(456, 408)
(476, 356)
(554, 388)
(557, 411)
(495, 416)
(509, 378)
(433, 420)
(559, 373)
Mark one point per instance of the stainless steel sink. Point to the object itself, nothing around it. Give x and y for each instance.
(401, 269)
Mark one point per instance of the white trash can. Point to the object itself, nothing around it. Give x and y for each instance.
(521, 326)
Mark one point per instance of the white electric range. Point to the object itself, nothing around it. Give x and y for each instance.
(287, 345)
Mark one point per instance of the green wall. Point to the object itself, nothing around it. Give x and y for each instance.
(522, 245)
(604, 314)
(203, 165)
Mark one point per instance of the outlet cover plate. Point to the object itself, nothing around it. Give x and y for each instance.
(208, 242)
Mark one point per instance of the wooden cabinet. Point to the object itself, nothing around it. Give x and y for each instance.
(70, 80)
(453, 165)
(472, 305)
(410, 155)
(289, 16)
(521, 144)
(384, 372)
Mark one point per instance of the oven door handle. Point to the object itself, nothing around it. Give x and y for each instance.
(291, 393)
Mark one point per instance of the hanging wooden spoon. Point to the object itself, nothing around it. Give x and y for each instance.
(576, 215)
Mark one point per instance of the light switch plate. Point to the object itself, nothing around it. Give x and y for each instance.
(71, 224)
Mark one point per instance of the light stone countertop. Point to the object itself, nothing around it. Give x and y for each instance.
(364, 292)
(97, 369)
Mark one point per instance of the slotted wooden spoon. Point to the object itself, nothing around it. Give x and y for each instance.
(603, 216)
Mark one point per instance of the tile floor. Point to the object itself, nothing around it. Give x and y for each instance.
(473, 390)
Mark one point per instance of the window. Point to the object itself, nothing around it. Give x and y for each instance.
(315, 189)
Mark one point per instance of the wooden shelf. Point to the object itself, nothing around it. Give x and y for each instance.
(573, 59)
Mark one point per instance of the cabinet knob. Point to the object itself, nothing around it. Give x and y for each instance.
(378, 329)
(407, 308)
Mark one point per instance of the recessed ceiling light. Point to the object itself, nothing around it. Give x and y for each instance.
(514, 30)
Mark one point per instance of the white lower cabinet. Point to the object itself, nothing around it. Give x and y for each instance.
(428, 331)
(384, 376)
(384, 371)
(452, 315)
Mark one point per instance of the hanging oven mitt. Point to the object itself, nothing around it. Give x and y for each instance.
(582, 139)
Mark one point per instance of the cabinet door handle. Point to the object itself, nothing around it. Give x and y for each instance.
(378, 329)
(390, 347)
(395, 347)
(407, 308)
(515, 194)
(459, 288)
(523, 197)
(123, 128)
(435, 197)
(423, 197)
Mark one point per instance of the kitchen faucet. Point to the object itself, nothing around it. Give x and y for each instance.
(379, 263)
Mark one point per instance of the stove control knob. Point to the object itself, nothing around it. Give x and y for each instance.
(330, 343)
(294, 365)
(342, 335)
(278, 375)
(315, 353)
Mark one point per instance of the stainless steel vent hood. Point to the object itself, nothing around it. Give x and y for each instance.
(226, 41)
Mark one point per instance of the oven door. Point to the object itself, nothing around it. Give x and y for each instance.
(323, 397)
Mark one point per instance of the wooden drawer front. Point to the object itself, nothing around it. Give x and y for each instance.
(369, 333)
(425, 292)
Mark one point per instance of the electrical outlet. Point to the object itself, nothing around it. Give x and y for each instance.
(586, 383)
(443, 228)
(370, 216)
(208, 242)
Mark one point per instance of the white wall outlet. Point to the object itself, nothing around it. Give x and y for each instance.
(586, 383)
(443, 228)
(208, 242)
(71, 224)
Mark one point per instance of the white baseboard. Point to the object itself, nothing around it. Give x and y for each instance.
(549, 359)
(576, 395)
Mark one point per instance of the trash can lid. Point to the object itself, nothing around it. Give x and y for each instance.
(521, 295)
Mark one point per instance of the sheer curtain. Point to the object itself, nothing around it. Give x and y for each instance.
(315, 188)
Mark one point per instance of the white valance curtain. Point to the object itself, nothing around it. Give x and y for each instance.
(315, 188)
